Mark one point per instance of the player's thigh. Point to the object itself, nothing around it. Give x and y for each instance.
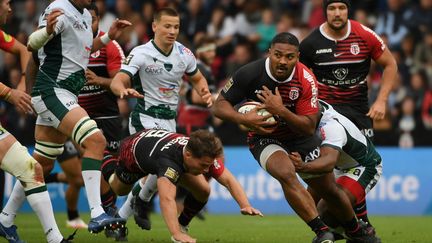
(196, 184)
(110, 128)
(119, 186)
(124, 178)
(6, 141)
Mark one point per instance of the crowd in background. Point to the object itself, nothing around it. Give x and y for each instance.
(242, 30)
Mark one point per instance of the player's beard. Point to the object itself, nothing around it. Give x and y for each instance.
(336, 28)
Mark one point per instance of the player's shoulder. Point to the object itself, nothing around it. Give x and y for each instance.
(304, 73)
(182, 49)
(312, 38)
(361, 29)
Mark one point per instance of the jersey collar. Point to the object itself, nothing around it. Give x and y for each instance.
(267, 68)
(321, 29)
(160, 50)
(81, 10)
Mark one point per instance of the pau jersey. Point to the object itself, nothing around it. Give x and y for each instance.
(158, 76)
(341, 66)
(64, 58)
(338, 132)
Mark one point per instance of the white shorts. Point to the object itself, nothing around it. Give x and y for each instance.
(52, 105)
(149, 122)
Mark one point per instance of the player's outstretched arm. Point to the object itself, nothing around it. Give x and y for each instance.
(200, 85)
(167, 193)
(113, 33)
(228, 180)
(120, 86)
(41, 36)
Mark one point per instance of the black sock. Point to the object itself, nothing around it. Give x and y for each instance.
(191, 208)
(317, 225)
(72, 214)
(108, 167)
(51, 178)
(108, 199)
(360, 210)
(351, 226)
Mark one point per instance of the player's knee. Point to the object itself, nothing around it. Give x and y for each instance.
(87, 134)
(48, 151)
(118, 187)
(76, 181)
(18, 162)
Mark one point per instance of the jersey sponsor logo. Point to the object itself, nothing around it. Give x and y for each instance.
(294, 93)
(338, 54)
(153, 69)
(95, 54)
(340, 73)
(171, 174)
(311, 79)
(185, 50)
(321, 51)
(6, 37)
(312, 155)
(355, 48)
(168, 66)
(168, 92)
(77, 25)
(127, 60)
(216, 164)
(228, 85)
(322, 133)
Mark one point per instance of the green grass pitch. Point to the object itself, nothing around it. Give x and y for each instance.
(236, 228)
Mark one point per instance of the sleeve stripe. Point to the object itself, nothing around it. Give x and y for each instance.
(193, 72)
(127, 72)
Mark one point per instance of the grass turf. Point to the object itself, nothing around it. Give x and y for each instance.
(236, 228)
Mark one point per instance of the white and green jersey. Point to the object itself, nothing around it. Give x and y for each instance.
(158, 77)
(64, 58)
(338, 132)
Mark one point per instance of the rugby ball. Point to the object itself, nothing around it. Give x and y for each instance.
(250, 105)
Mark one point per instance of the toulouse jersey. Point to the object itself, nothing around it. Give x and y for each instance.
(299, 92)
(159, 152)
(64, 58)
(97, 100)
(338, 132)
(159, 75)
(341, 66)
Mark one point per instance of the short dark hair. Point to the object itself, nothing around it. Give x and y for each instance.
(286, 38)
(165, 11)
(204, 143)
(94, 8)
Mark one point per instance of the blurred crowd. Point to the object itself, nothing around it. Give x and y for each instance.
(242, 31)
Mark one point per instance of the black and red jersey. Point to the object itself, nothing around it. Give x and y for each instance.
(96, 100)
(299, 92)
(159, 152)
(341, 66)
(6, 41)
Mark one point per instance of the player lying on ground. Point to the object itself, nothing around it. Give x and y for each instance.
(175, 159)
(350, 154)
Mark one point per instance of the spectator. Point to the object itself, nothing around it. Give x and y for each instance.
(419, 18)
(313, 14)
(266, 30)
(391, 23)
(29, 23)
(221, 27)
(193, 20)
(106, 17)
(423, 55)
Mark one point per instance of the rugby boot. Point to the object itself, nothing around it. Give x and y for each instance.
(141, 213)
(10, 234)
(324, 237)
(104, 221)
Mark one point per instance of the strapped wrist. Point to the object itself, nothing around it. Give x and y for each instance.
(105, 38)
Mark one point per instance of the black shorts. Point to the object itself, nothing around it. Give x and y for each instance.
(358, 117)
(112, 130)
(69, 152)
(127, 176)
(307, 147)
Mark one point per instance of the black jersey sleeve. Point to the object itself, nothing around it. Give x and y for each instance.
(235, 90)
(169, 169)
